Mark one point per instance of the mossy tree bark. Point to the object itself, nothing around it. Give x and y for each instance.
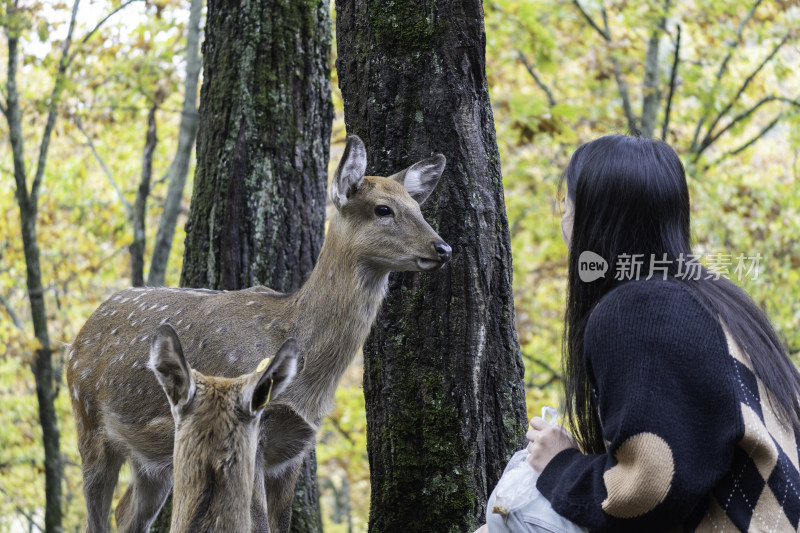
(258, 206)
(443, 377)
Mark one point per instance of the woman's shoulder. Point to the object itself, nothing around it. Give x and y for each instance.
(652, 297)
(656, 309)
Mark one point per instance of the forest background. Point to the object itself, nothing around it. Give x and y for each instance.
(717, 79)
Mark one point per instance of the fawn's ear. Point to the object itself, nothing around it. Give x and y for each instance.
(266, 383)
(350, 173)
(170, 367)
(421, 178)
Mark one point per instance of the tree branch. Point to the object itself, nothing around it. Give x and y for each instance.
(672, 78)
(11, 313)
(28, 516)
(97, 27)
(106, 171)
(722, 69)
(55, 96)
(742, 116)
(536, 78)
(732, 47)
(710, 137)
(604, 34)
(622, 85)
(754, 139)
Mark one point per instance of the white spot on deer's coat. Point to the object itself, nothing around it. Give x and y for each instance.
(114, 312)
(251, 302)
(86, 405)
(179, 311)
(70, 354)
(130, 315)
(163, 307)
(114, 331)
(75, 393)
(186, 328)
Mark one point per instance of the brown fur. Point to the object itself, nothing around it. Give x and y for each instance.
(121, 416)
(216, 435)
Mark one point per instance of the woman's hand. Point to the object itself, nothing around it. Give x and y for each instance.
(546, 441)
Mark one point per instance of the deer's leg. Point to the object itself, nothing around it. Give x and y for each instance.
(258, 504)
(286, 438)
(100, 467)
(280, 494)
(143, 500)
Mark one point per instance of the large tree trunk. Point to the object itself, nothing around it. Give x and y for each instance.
(443, 377)
(258, 207)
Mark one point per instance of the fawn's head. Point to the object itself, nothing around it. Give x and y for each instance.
(216, 419)
(382, 215)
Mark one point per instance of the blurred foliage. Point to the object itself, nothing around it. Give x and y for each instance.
(745, 202)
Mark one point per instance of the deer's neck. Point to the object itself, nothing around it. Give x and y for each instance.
(209, 498)
(335, 310)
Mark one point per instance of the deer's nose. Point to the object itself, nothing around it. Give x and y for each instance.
(443, 250)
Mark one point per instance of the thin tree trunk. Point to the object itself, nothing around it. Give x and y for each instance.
(258, 206)
(443, 373)
(179, 168)
(140, 206)
(651, 90)
(42, 365)
(672, 83)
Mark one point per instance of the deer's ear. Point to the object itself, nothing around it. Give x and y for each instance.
(421, 178)
(265, 384)
(350, 173)
(170, 367)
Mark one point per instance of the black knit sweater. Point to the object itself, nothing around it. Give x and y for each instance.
(692, 442)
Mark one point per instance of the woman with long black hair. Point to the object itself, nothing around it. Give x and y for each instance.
(682, 406)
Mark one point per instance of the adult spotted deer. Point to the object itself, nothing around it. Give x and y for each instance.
(120, 413)
(216, 434)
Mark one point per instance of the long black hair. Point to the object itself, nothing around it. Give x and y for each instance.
(631, 197)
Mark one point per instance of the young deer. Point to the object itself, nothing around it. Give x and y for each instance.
(377, 228)
(216, 434)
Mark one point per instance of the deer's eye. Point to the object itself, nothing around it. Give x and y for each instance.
(383, 211)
